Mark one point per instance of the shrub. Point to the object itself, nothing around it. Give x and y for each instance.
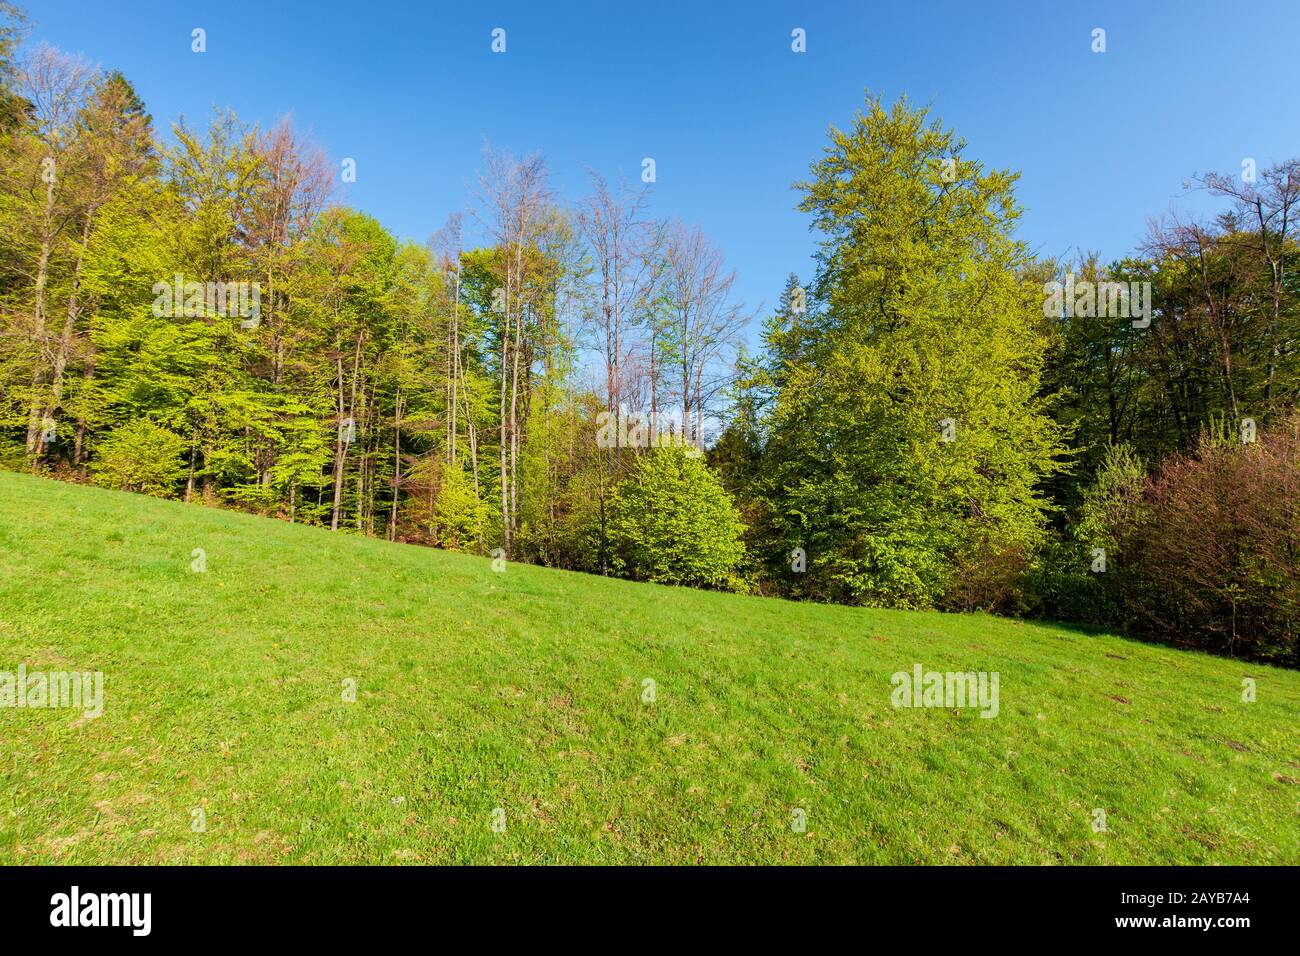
(671, 521)
(1207, 551)
(993, 580)
(141, 456)
(1223, 546)
(1063, 587)
(460, 517)
(1066, 579)
(11, 454)
(1114, 504)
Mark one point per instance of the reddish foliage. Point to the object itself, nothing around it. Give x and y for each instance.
(1213, 559)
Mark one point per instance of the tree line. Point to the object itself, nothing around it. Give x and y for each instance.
(439, 392)
(936, 417)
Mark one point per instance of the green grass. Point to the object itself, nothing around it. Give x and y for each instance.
(523, 690)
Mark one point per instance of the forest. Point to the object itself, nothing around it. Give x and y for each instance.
(937, 417)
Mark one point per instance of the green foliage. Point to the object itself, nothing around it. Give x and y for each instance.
(918, 431)
(1113, 501)
(1060, 584)
(141, 456)
(672, 522)
(12, 105)
(460, 517)
(1080, 575)
(905, 432)
(1211, 354)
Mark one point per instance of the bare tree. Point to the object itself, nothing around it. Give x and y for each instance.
(705, 324)
(620, 241)
(447, 246)
(1196, 247)
(294, 183)
(1268, 210)
(514, 196)
(57, 86)
(611, 222)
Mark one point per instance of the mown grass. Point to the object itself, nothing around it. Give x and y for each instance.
(523, 691)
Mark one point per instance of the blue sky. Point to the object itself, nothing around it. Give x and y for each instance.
(714, 93)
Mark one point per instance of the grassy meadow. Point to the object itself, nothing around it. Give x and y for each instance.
(501, 717)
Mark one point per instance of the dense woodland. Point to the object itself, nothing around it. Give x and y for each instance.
(915, 430)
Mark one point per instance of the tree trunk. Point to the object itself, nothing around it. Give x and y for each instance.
(38, 333)
(65, 339)
(397, 464)
(455, 367)
(505, 475)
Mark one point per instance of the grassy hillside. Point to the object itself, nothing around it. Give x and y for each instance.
(522, 691)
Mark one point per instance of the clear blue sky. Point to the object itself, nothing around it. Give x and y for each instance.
(713, 92)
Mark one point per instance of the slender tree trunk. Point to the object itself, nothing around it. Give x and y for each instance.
(1221, 327)
(698, 437)
(194, 454)
(397, 464)
(472, 432)
(514, 417)
(654, 386)
(81, 452)
(686, 371)
(505, 474)
(455, 351)
(365, 487)
(42, 283)
(1272, 332)
(448, 397)
(341, 446)
(65, 339)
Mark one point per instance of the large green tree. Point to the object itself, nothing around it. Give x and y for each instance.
(905, 439)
